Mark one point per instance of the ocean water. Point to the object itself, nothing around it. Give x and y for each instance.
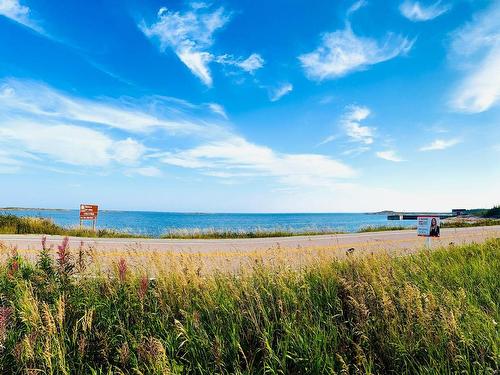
(158, 223)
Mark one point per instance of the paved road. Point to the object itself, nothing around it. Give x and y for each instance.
(389, 240)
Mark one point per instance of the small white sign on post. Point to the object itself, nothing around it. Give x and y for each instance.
(428, 226)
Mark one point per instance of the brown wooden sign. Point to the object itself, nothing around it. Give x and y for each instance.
(88, 212)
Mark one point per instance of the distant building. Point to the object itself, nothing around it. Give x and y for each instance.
(458, 211)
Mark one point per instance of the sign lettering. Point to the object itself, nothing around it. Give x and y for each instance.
(428, 226)
(88, 212)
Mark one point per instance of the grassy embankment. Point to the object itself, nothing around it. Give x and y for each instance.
(11, 224)
(432, 312)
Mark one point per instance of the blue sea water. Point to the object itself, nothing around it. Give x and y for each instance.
(157, 223)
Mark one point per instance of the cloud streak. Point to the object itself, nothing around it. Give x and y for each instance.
(14, 10)
(477, 47)
(235, 157)
(250, 65)
(190, 35)
(440, 144)
(71, 144)
(389, 155)
(416, 12)
(342, 52)
(351, 124)
(133, 136)
(40, 101)
(277, 93)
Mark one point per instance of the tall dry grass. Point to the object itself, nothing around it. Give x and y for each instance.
(432, 312)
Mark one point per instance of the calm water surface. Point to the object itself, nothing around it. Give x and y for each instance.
(157, 223)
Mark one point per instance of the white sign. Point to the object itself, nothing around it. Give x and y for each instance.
(428, 226)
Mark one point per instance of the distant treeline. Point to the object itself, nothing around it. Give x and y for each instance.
(491, 213)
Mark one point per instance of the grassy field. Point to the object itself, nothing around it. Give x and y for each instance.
(11, 224)
(432, 312)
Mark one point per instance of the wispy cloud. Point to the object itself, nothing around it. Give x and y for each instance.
(416, 12)
(14, 10)
(476, 49)
(440, 144)
(277, 93)
(145, 171)
(236, 157)
(55, 126)
(40, 101)
(70, 144)
(342, 52)
(190, 35)
(390, 155)
(351, 124)
(219, 109)
(109, 134)
(250, 65)
(8, 163)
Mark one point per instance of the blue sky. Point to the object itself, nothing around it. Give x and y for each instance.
(250, 106)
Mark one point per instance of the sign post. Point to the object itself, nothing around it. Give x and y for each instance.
(428, 226)
(89, 212)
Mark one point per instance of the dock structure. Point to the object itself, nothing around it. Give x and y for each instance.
(415, 215)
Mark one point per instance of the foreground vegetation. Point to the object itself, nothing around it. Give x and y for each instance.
(12, 224)
(231, 233)
(432, 312)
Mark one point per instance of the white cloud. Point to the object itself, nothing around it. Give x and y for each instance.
(8, 164)
(40, 101)
(351, 124)
(390, 155)
(328, 139)
(191, 34)
(356, 151)
(128, 151)
(475, 48)
(219, 109)
(277, 93)
(251, 64)
(20, 13)
(197, 62)
(343, 52)
(356, 6)
(69, 144)
(440, 144)
(235, 156)
(145, 171)
(416, 12)
(54, 126)
(48, 126)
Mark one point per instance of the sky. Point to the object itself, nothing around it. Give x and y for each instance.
(250, 105)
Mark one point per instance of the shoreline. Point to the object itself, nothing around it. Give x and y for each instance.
(13, 224)
(198, 212)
